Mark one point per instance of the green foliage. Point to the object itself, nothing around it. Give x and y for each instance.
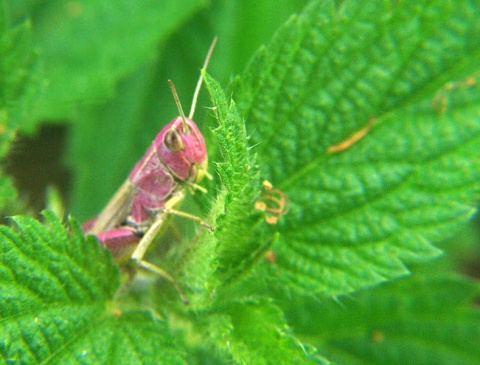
(421, 320)
(227, 252)
(54, 301)
(240, 182)
(365, 115)
(236, 331)
(367, 210)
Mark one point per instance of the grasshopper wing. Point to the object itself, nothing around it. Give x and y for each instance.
(117, 209)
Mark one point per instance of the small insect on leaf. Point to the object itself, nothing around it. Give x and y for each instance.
(354, 138)
(272, 201)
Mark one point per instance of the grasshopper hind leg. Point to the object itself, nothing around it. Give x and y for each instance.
(162, 273)
(137, 256)
(152, 233)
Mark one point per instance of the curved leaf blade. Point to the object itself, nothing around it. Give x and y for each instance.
(54, 288)
(405, 75)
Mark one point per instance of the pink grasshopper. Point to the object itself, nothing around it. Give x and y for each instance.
(134, 216)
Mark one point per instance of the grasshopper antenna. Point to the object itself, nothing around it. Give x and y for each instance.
(199, 83)
(179, 106)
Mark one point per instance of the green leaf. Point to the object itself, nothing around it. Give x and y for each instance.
(20, 76)
(235, 243)
(359, 214)
(133, 338)
(95, 44)
(238, 172)
(422, 319)
(254, 332)
(54, 288)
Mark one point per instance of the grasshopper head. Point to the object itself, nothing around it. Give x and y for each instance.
(181, 147)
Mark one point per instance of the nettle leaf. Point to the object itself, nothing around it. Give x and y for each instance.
(227, 253)
(255, 332)
(367, 117)
(244, 330)
(54, 288)
(94, 44)
(424, 319)
(238, 172)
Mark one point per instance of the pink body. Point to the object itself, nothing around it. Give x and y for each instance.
(177, 156)
(160, 171)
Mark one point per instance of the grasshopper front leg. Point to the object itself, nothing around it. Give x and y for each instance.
(137, 256)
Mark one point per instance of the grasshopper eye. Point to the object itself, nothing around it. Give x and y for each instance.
(173, 141)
